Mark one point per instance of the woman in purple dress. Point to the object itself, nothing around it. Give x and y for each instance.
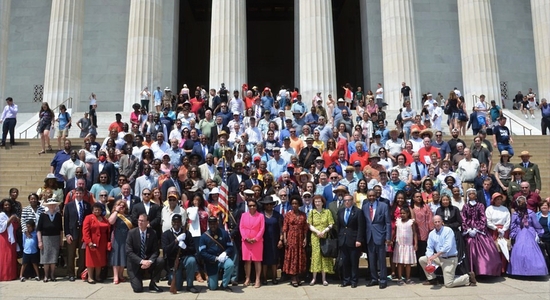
(526, 258)
(483, 253)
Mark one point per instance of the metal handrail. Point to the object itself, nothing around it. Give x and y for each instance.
(510, 122)
(474, 99)
(69, 102)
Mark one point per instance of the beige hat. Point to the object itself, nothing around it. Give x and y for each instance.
(524, 153)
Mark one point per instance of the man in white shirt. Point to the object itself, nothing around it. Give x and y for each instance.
(160, 146)
(436, 116)
(482, 107)
(176, 132)
(395, 145)
(429, 103)
(236, 120)
(416, 140)
(467, 169)
(253, 132)
(68, 168)
(286, 151)
(236, 105)
(139, 147)
(380, 95)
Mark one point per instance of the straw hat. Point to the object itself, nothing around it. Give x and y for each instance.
(50, 201)
(517, 171)
(525, 153)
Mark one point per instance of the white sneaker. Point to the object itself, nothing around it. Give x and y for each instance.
(532, 116)
(526, 117)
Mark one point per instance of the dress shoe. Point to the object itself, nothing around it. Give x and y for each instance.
(383, 285)
(344, 284)
(372, 283)
(234, 283)
(227, 289)
(154, 287)
(430, 282)
(193, 290)
(2, 145)
(71, 279)
(353, 285)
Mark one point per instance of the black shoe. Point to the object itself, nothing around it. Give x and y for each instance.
(353, 285)
(234, 283)
(372, 283)
(71, 278)
(227, 289)
(344, 284)
(2, 145)
(193, 290)
(154, 287)
(383, 286)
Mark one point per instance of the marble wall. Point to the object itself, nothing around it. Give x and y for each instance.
(28, 44)
(515, 45)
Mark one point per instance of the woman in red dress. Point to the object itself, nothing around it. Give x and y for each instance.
(95, 234)
(330, 155)
(295, 228)
(9, 222)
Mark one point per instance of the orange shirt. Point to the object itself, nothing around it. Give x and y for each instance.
(117, 126)
(363, 158)
(424, 153)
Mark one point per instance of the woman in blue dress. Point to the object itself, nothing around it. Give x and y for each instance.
(273, 239)
(121, 223)
(526, 258)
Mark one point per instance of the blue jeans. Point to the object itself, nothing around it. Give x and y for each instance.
(227, 267)
(189, 264)
(9, 127)
(508, 148)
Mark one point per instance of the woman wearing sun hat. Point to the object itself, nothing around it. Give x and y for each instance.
(50, 237)
(503, 171)
(514, 185)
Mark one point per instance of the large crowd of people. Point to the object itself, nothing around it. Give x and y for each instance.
(221, 184)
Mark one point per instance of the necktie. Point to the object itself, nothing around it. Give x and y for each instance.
(282, 123)
(339, 203)
(258, 114)
(81, 212)
(307, 210)
(346, 216)
(371, 210)
(417, 171)
(205, 150)
(142, 248)
(526, 165)
(176, 185)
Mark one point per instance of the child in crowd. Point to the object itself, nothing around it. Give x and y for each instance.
(30, 250)
(404, 253)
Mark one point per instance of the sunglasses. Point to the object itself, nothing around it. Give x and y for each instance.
(333, 177)
(146, 194)
(252, 206)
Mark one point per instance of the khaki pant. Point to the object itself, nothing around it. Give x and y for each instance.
(72, 249)
(448, 266)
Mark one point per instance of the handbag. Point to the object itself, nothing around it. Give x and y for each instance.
(329, 246)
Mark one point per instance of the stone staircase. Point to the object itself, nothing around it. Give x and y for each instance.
(23, 168)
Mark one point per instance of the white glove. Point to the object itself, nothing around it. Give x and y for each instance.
(181, 237)
(222, 257)
(537, 239)
(472, 232)
(182, 244)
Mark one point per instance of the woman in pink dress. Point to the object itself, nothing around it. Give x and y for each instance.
(252, 228)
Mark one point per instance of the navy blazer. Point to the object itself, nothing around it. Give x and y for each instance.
(197, 149)
(134, 201)
(233, 182)
(328, 194)
(378, 231)
(70, 218)
(352, 231)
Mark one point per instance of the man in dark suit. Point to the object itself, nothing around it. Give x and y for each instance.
(71, 184)
(142, 254)
(338, 202)
(202, 149)
(175, 240)
(351, 235)
(253, 180)
(172, 181)
(236, 178)
(216, 130)
(74, 214)
(126, 194)
(129, 164)
(103, 165)
(152, 210)
(378, 235)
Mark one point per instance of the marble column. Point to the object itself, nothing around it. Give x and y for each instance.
(143, 56)
(317, 56)
(64, 55)
(399, 53)
(296, 45)
(228, 52)
(365, 42)
(5, 6)
(540, 11)
(478, 51)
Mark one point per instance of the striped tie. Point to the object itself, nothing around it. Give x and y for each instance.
(142, 248)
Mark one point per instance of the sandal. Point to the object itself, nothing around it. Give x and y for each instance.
(41, 152)
(115, 281)
(325, 283)
(23, 279)
(246, 283)
(400, 282)
(49, 148)
(312, 283)
(46, 279)
(295, 284)
(410, 281)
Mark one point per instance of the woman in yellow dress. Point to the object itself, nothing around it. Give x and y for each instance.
(361, 193)
(320, 223)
